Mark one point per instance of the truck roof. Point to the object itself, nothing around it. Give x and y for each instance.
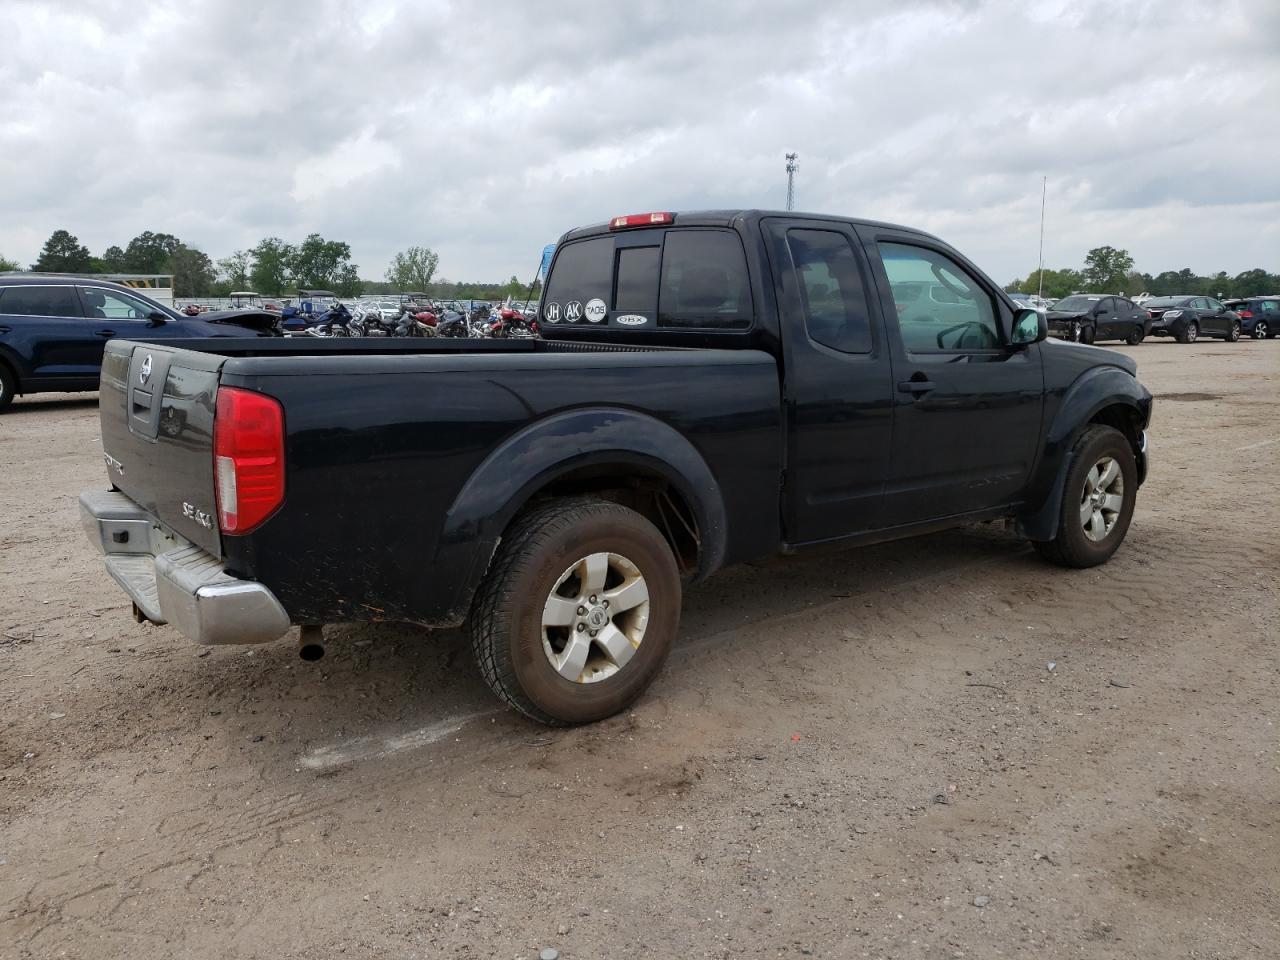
(725, 218)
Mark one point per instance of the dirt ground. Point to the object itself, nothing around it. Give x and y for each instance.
(934, 749)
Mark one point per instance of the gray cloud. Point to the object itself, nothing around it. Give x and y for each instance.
(484, 131)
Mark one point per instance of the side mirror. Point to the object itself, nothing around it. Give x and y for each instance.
(1029, 326)
(156, 318)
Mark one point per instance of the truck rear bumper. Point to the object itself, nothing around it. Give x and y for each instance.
(173, 581)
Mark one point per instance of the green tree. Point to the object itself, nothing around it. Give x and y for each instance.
(113, 260)
(1250, 283)
(150, 252)
(1057, 283)
(235, 269)
(193, 273)
(7, 264)
(63, 253)
(413, 269)
(272, 266)
(322, 263)
(1105, 269)
(348, 283)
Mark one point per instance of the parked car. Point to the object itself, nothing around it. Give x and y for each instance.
(715, 387)
(1186, 318)
(1259, 316)
(53, 329)
(1087, 317)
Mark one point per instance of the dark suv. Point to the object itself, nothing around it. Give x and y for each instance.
(1187, 317)
(1259, 316)
(53, 329)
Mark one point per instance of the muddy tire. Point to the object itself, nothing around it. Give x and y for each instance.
(577, 612)
(1097, 501)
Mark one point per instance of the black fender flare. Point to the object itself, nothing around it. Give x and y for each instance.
(541, 452)
(1094, 391)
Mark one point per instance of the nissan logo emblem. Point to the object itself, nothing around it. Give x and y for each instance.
(145, 373)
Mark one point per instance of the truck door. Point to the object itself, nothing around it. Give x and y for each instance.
(837, 380)
(966, 404)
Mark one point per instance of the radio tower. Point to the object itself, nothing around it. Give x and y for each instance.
(792, 166)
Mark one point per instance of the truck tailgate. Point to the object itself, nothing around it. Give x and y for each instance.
(157, 406)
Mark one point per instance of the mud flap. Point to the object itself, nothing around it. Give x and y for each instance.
(1042, 524)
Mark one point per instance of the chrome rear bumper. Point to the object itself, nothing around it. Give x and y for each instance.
(173, 581)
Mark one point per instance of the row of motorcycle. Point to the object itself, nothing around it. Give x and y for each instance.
(413, 320)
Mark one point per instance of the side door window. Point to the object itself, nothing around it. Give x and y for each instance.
(32, 301)
(832, 289)
(956, 316)
(113, 305)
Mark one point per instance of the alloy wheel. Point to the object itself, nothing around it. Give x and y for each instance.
(1260, 330)
(1102, 499)
(595, 618)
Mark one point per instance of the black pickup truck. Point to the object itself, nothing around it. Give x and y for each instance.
(712, 388)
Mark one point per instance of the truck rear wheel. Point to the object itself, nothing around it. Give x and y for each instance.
(1097, 501)
(577, 612)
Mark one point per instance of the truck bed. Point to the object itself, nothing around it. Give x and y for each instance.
(390, 445)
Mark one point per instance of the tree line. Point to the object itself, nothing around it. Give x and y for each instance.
(1110, 270)
(273, 267)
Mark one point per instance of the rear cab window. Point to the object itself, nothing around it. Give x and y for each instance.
(692, 278)
(832, 288)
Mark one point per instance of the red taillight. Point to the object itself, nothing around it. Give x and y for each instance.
(641, 220)
(1245, 314)
(248, 458)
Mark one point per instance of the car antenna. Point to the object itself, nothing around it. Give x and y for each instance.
(547, 251)
(1044, 189)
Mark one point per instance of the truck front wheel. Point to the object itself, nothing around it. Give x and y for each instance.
(1097, 501)
(577, 612)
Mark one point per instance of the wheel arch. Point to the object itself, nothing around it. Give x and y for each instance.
(618, 454)
(1108, 396)
(11, 359)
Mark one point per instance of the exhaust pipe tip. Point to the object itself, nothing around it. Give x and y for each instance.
(311, 643)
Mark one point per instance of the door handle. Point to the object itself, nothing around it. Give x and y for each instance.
(4, 329)
(915, 386)
(105, 333)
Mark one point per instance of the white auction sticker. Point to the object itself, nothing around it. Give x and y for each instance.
(596, 310)
(552, 312)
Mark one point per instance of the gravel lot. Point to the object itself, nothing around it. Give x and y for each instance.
(937, 749)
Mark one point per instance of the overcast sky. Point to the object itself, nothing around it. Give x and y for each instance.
(487, 130)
